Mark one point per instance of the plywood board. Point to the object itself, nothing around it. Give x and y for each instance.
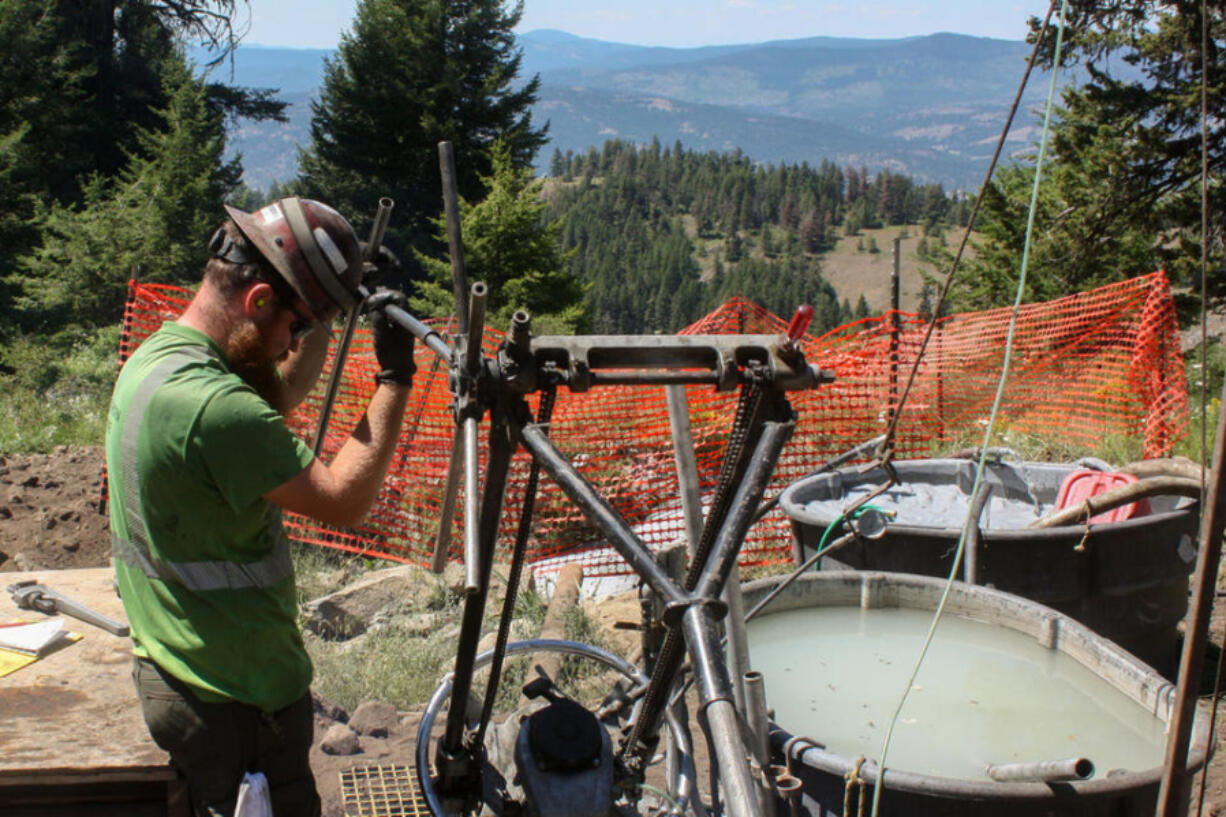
(73, 716)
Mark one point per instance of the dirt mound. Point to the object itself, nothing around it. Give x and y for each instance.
(49, 518)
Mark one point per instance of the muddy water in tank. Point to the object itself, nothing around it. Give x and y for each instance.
(984, 695)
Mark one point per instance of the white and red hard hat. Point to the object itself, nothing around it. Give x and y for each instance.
(312, 247)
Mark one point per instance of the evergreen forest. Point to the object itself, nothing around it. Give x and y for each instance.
(662, 236)
(114, 163)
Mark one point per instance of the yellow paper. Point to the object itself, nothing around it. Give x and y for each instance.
(11, 660)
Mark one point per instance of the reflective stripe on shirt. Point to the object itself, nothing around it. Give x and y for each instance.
(134, 551)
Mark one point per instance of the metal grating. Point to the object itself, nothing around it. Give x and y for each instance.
(381, 791)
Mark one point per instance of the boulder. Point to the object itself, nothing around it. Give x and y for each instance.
(375, 597)
(340, 740)
(375, 718)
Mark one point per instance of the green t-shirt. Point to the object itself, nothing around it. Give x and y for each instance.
(207, 449)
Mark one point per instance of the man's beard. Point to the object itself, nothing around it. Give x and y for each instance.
(249, 361)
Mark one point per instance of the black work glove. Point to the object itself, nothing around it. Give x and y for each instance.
(393, 343)
(382, 269)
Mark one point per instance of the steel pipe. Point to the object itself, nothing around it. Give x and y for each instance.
(717, 711)
(1044, 771)
(497, 467)
(600, 513)
(470, 433)
(451, 489)
(758, 719)
(455, 245)
(377, 229)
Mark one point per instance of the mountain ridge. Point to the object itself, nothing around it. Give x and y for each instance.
(930, 106)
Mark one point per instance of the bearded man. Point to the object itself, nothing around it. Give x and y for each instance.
(201, 465)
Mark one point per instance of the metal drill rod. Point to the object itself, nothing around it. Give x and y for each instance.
(442, 539)
(469, 432)
(599, 512)
(476, 326)
(382, 216)
(497, 467)
(717, 711)
(455, 244)
(432, 339)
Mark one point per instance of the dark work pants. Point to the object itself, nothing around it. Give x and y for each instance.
(214, 744)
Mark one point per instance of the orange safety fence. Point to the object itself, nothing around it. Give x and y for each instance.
(1087, 367)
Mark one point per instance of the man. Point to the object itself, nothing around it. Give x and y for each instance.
(201, 466)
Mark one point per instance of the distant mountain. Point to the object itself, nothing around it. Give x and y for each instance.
(931, 106)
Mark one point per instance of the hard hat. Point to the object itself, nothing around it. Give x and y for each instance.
(311, 246)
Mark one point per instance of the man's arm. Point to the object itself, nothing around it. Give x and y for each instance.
(300, 369)
(343, 492)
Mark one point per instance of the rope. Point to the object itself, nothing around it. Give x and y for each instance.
(1204, 344)
(991, 427)
(854, 783)
(887, 447)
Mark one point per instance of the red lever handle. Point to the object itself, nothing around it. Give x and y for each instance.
(800, 322)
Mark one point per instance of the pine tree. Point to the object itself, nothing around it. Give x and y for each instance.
(1121, 194)
(155, 217)
(509, 245)
(410, 74)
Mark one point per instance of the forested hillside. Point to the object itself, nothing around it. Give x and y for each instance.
(661, 236)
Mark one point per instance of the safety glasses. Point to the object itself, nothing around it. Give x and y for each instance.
(302, 325)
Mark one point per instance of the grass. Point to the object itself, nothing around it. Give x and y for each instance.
(402, 660)
(56, 391)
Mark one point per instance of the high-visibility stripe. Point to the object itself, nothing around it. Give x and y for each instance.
(134, 550)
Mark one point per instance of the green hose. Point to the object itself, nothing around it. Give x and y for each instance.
(838, 520)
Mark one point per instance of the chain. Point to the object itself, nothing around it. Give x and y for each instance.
(673, 649)
(544, 413)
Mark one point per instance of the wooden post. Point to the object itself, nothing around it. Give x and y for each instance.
(895, 330)
(565, 596)
(1176, 786)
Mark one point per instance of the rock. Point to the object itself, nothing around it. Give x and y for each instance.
(454, 577)
(377, 596)
(419, 625)
(340, 740)
(520, 630)
(375, 718)
(328, 709)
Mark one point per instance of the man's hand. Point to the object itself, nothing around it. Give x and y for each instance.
(393, 343)
(383, 269)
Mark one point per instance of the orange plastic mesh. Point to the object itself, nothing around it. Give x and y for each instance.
(1085, 367)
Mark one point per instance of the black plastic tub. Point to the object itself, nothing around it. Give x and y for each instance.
(1126, 580)
(825, 756)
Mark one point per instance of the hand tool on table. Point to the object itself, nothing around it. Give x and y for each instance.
(30, 595)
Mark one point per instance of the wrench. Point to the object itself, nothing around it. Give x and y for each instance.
(30, 595)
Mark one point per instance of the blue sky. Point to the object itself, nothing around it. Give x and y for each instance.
(685, 23)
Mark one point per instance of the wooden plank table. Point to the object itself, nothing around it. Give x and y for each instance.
(70, 723)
